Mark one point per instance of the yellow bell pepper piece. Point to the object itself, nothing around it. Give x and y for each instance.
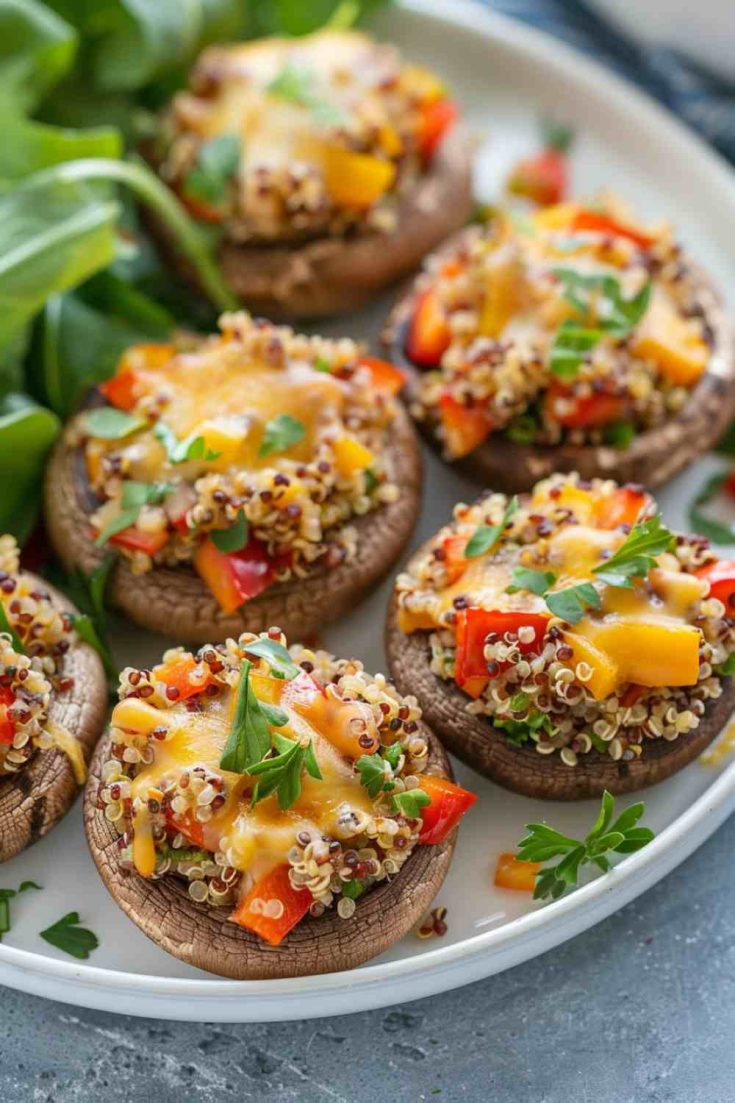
(351, 456)
(663, 654)
(605, 671)
(414, 621)
(356, 179)
(672, 342)
(225, 436)
(503, 292)
(135, 715)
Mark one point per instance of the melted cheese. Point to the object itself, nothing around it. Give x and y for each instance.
(69, 744)
(257, 839)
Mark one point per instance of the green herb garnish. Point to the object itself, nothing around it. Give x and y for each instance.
(276, 655)
(6, 895)
(636, 557)
(536, 582)
(353, 890)
(520, 732)
(68, 936)
(281, 773)
(570, 345)
(485, 537)
(522, 430)
(571, 603)
(234, 538)
(280, 434)
(5, 626)
(726, 669)
(371, 768)
(249, 738)
(543, 843)
(135, 495)
(715, 531)
(618, 435)
(410, 802)
(181, 451)
(217, 162)
(107, 423)
(296, 84)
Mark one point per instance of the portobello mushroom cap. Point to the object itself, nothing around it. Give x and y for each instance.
(177, 603)
(333, 275)
(201, 935)
(44, 789)
(652, 458)
(486, 748)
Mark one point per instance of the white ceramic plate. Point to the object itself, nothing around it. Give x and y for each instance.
(503, 74)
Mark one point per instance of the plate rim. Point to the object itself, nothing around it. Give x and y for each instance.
(480, 954)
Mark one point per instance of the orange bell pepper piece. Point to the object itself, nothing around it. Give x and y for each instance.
(386, 376)
(594, 222)
(623, 507)
(465, 427)
(176, 676)
(273, 907)
(428, 333)
(234, 577)
(449, 802)
(189, 827)
(120, 390)
(511, 873)
(437, 119)
(356, 179)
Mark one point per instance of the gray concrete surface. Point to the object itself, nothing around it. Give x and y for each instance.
(641, 1008)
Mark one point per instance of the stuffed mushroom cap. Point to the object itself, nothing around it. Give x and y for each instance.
(329, 166)
(254, 478)
(584, 649)
(245, 868)
(573, 340)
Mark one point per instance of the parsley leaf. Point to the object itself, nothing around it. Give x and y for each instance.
(371, 768)
(275, 716)
(296, 84)
(636, 557)
(6, 895)
(485, 537)
(6, 627)
(181, 451)
(67, 935)
(276, 655)
(571, 603)
(622, 836)
(353, 890)
(234, 538)
(410, 802)
(281, 773)
(217, 162)
(536, 582)
(519, 732)
(135, 495)
(249, 739)
(280, 433)
(107, 423)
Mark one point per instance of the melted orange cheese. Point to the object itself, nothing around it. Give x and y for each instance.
(257, 839)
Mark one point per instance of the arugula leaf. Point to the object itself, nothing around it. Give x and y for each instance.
(280, 434)
(536, 582)
(714, 530)
(485, 537)
(108, 423)
(543, 842)
(234, 538)
(249, 738)
(276, 655)
(6, 627)
(410, 802)
(571, 603)
(67, 935)
(636, 557)
(217, 162)
(371, 768)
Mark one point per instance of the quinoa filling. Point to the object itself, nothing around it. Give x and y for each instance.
(572, 324)
(573, 619)
(34, 637)
(247, 454)
(292, 139)
(275, 782)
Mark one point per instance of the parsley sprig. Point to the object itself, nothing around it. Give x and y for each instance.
(6, 895)
(249, 739)
(280, 773)
(637, 555)
(235, 537)
(135, 495)
(280, 434)
(376, 770)
(297, 84)
(276, 655)
(543, 843)
(485, 537)
(67, 935)
(181, 451)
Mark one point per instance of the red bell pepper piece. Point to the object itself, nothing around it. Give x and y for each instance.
(586, 413)
(454, 560)
(428, 334)
(721, 577)
(273, 907)
(176, 676)
(465, 427)
(472, 628)
(437, 119)
(386, 376)
(235, 577)
(7, 726)
(593, 222)
(449, 802)
(623, 507)
(189, 827)
(120, 390)
(631, 695)
(134, 539)
(544, 178)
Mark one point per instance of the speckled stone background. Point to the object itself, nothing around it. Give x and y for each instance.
(641, 1008)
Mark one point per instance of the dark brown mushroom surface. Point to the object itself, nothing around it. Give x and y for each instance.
(486, 749)
(43, 791)
(202, 936)
(337, 274)
(652, 458)
(177, 603)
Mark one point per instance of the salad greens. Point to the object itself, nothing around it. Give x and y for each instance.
(79, 279)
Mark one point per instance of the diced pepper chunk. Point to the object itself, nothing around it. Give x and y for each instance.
(7, 726)
(386, 376)
(350, 456)
(120, 391)
(585, 413)
(273, 907)
(472, 628)
(605, 672)
(235, 577)
(628, 650)
(511, 873)
(671, 342)
(721, 577)
(503, 292)
(188, 826)
(437, 119)
(543, 179)
(134, 539)
(356, 179)
(428, 333)
(465, 427)
(449, 802)
(623, 507)
(454, 559)
(594, 222)
(176, 676)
